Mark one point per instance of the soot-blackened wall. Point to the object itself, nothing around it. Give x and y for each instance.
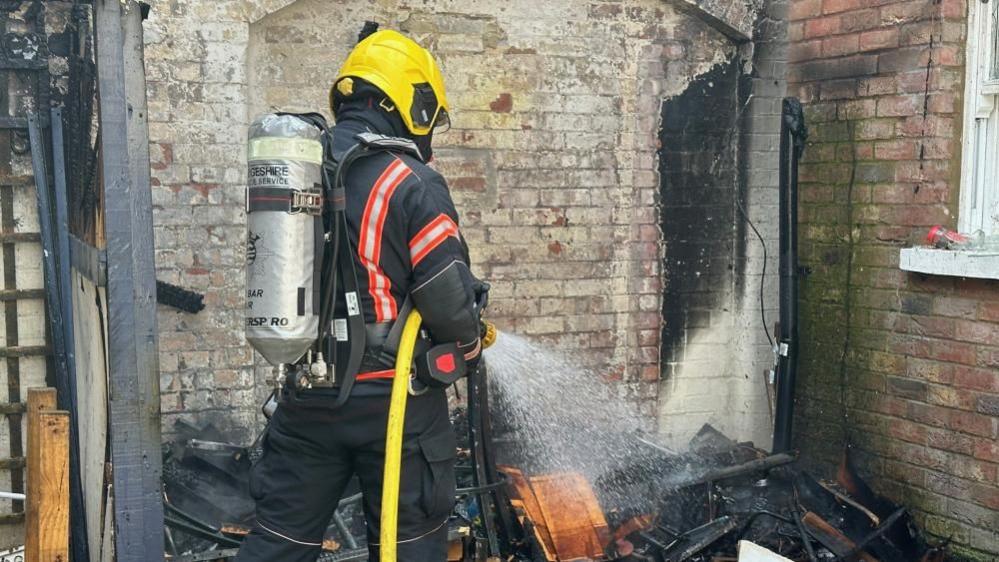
(699, 175)
(709, 366)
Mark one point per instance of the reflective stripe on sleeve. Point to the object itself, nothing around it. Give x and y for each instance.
(430, 237)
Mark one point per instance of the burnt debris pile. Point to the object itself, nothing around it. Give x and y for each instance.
(718, 501)
(728, 501)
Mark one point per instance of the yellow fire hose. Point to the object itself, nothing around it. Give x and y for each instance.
(394, 432)
(393, 437)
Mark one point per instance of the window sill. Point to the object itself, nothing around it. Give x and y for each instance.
(980, 265)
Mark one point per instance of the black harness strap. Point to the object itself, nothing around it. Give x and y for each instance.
(356, 333)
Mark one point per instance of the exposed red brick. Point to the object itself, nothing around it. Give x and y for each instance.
(976, 378)
(971, 422)
(840, 45)
(955, 9)
(942, 102)
(987, 450)
(989, 311)
(896, 150)
(805, 50)
(204, 188)
(504, 102)
(468, 184)
(822, 27)
(898, 106)
(878, 39)
(908, 431)
(860, 20)
(833, 6)
(802, 9)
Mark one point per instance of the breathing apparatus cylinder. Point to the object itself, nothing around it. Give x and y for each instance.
(284, 237)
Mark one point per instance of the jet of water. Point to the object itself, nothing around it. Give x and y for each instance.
(560, 416)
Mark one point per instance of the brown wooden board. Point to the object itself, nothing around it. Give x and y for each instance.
(47, 525)
(572, 515)
(39, 400)
(528, 503)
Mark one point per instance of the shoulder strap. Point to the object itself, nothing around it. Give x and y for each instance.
(377, 142)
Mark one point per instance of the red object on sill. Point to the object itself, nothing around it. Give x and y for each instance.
(945, 238)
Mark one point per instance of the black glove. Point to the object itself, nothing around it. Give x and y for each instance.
(481, 290)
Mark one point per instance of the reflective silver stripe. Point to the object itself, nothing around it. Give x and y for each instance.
(287, 538)
(475, 351)
(438, 274)
(430, 532)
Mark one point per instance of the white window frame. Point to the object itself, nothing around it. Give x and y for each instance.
(979, 200)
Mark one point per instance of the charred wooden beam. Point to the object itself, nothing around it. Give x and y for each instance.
(750, 467)
(831, 537)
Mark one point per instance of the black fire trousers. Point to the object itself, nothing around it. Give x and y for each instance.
(311, 453)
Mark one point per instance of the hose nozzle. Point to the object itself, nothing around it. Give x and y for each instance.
(488, 333)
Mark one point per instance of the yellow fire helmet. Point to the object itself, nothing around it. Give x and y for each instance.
(404, 71)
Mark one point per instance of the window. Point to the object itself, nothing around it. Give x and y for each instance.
(980, 167)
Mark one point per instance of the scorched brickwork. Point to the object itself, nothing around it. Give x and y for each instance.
(904, 367)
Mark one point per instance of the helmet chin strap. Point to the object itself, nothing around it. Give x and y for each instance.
(425, 144)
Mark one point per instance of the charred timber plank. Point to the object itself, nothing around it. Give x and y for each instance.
(206, 556)
(18, 180)
(14, 237)
(12, 408)
(832, 538)
(21, 294)
(78, 516)
(12, 518)
(850, 502)
(742, 469)
(25, 351)
(54, 305)
(13, 463)
(91, 262)
(131, 286)
(876, 533)
(696, 540)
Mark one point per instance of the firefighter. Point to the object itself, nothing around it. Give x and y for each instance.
(403, 230)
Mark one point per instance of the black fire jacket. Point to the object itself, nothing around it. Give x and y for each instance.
(403, 228)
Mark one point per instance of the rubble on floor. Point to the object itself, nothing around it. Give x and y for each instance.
(719, 501)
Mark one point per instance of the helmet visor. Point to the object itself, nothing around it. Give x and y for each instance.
(442, 123)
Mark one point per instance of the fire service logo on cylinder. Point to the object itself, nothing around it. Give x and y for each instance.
(251, 248)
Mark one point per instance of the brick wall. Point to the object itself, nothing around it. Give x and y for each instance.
(904, 367)
(552, 160)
